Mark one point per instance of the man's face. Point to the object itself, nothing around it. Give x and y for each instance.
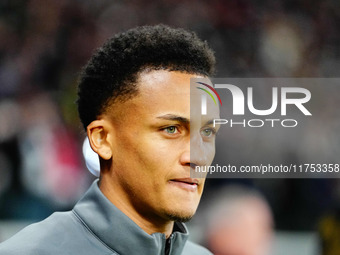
(150, 170)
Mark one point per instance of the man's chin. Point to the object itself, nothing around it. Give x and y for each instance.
(180, 217)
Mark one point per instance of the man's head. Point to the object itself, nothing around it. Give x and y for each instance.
(134, 100)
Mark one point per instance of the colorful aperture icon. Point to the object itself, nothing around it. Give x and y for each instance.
(204, 98)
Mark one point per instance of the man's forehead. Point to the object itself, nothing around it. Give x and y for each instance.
(164, 93)
(160, 80)
(158, 92)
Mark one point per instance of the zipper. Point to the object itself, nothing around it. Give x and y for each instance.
(168, 244)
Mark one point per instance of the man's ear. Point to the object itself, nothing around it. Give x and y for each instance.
(98, 132)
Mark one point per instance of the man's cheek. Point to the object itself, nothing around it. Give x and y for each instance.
(211, 153)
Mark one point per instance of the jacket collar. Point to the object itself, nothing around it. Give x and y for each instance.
(119, 232)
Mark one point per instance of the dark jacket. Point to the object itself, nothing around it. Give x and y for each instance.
(94, 227)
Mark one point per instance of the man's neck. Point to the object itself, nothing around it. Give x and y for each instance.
(149, 223)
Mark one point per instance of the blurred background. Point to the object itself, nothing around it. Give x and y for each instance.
(44, 44)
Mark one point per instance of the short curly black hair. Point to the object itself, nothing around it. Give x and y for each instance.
(113, 69)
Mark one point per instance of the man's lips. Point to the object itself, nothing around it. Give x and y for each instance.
(186, 180)
(186, 183)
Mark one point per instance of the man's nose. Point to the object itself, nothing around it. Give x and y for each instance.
(198, 153)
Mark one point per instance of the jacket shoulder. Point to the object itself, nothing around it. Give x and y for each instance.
(191, 248)
(61, 233)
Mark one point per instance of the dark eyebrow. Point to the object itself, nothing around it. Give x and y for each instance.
(209, 122)
(174, 118)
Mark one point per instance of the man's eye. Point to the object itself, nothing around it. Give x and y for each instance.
(208, 132)
(171, 130)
